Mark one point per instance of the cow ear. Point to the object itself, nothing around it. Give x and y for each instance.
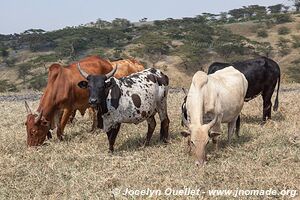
(83, 84)
(185, 133)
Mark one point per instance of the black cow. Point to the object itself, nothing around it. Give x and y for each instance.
(262, 75)
(131, 99)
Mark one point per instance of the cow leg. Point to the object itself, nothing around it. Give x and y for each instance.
(64, 120)
(231, 126)
(111, 135)
(267, 104)
(93, 116)
(72, 116)
(99, 120)
(163, 116)
(164, 125)
(238, 125)
(151, 127)
(215, 131)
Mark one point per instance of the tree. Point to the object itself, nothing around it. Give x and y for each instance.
(283, 18)
(210, 17)
(24, 71)
(296, 4)
(223, 17)
(276, 8)
(143, 19)
(4, 53)
(36, 39)
(283, 46)
(154, 45)
(121, 23)
(237, 13)
(265, 49)
(102, 23)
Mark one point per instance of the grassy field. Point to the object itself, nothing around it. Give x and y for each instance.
(80, 167)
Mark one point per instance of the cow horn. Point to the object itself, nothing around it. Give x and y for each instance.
(112, 72)
(38, 118)
(185, 91)
(83, 73)
(27, 108)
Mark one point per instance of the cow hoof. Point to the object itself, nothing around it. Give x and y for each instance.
(111, 151)
(166, 141)
(146, 143)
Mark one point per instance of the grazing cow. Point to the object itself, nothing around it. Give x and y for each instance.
(219, 96)
(62, 98)
(262, 75)
(131, 99)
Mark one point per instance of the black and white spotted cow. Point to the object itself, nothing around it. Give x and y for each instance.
(131, 99)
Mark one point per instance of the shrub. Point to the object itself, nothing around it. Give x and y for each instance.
(284, 30)
(296, 41)
(11, 61)
(38, 82)
(262, 33)
(45, 58)
(5, 86)
(283, 18)
(283, 46)
(265, 49)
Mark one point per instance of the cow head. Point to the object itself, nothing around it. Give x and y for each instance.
(97, 86)
(37, 128)
(198, 138)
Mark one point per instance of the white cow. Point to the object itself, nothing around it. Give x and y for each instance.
(219, 96)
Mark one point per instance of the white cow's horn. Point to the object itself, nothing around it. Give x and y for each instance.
(83, 73)
(27, 108)
(38, 118)
(113, 71)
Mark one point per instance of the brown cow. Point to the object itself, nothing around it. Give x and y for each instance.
(62, 97)
(127, 66)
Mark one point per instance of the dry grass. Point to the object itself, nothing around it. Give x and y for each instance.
(81, 167)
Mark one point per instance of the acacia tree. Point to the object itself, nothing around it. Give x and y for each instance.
(121, 23)
(276, 8)
(296, 4)
(24, 71)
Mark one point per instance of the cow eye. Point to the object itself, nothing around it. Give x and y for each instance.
(193, 143)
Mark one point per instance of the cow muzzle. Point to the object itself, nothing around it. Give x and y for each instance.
(93, 102)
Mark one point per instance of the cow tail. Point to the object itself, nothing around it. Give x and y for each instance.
(275, 107)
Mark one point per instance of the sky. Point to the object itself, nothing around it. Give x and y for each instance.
(16, 16)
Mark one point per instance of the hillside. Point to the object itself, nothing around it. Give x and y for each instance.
(179, 47)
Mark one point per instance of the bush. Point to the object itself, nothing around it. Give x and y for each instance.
(296, 41)
(284, 30)
(45, 58)
(283, 18)
(283, 46)
(38, 82)
(5, 86)
(262, 33)
(265, 49)
(11, 61)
